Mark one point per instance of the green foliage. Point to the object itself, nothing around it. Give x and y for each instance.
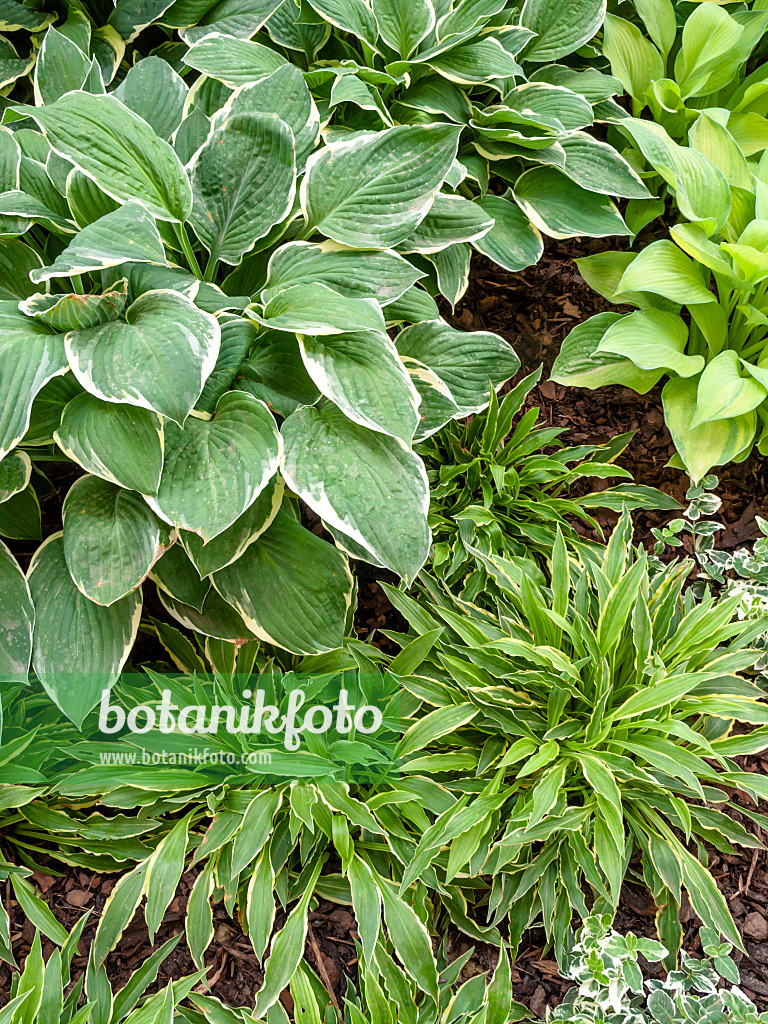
(499, 490)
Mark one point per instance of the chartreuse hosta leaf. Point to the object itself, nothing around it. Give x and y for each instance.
(111, 539)
(119, 443)
(366, 485)
(79, 647)
(215, 468)
(158, 358)
(372, 192)
(244, 179)
(31, 354)
(119, 150)
(291, 588)
(15, 473)
(17, 615)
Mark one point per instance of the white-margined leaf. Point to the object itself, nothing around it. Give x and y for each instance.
(239, 18)
(154, 91)
(237, 336)
(61, 67)
(597, 167)
(75, 312)
(318, 309)
(79, 648)
(451, 219)
(513, 242)
(17, 261)
(437, 405)
(17, 615)
(130, 17)
(403, 24)
(158, 359)
(15, 474)
(366, 485)
(215, 468)
(475, 63)
(216, 618)
(452, 270)
(562, 209)
(233, 61)
(560, 27)
(351, 16)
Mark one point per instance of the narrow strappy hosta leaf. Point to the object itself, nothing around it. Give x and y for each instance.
(157, 359)
(372, 192)
(119, 443)
(368, 486)
(119, 150)
(214, 469)
(79, 647)
(128, 234)
(291, 588)
(111, 539)
(17, 615)
(31, 354)
(243, 180)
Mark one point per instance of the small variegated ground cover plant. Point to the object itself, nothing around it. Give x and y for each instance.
(503, 488)
(591, 714)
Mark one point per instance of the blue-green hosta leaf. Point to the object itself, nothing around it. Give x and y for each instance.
(452, 270)
(75, 312)
(554, 103)
(244, 181)
(560, 28)
(450, 220)
(468, 362)
(118, 149)
(275, 373)
(61, 67)
(581, 363)
(119, 443)
(467, 16)
(363, 375)
(653, 339)
(127, 234)
(79, 648)
(351, 89)
(317, 309)
(108, 50)
(727, 389)
(711, 444)
(30, 355)
(47, 408)
(291, 588)
(177, 576)
(372, 192)
(513, 242)
(403, 24)
(593, 85)
(239, 18)
(17, 615)
(597, 167)
(191, 134)
(16, 263)
(154, 91)
(286, 94)
(111, 539)
(352, 16)
(233, 61)
(158, 359)
(29, 209)
(475, 63)
(230, 545)
(15, 473)
(214, 469)
(381, 275)
(86, 200)
(562, 209)
(435, 95)
(367, 485)
(12, 66)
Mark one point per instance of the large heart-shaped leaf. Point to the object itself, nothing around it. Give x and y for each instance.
(363, 375)
(17, 615)
(372, 192)
(119, 150)
(243, 179)
(30, 355)
(119, 443)
(158, 359)
(111, 539)
(79, 648)
(214, 469)
(291, 588)
(366, 485)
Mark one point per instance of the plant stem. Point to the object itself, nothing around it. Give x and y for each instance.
(211, 267)
(194, 266)
(77, 284)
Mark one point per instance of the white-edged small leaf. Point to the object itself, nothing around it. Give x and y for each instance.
(562, 209)
(17, 614)
(513, 242)
(318, 309)
(232, 61)
(15, 473)
(451, 219)
(154, 91)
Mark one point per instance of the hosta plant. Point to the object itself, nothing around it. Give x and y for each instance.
(501, 489)
(591, 738)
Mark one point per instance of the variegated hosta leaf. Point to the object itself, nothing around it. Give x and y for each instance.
(286, 94)
(12, 66)
(380, 275)
(562, 209)
(130, 17)
(77, 312)
(17, 616)
(368, 486)
(466, 361)
(239, 18)
(118, 149)
(451, 219)
(47, 408)
(61, 67)
(119, 443)
(216, 618)
(437, 405)
(513, 242)
(233, 61)
(176, 575)
(128, 234)
(15, 473)
(79, 648)
(237, 336)
(30, 355)
(111, 539)
(275, 373)
(291, 588)
(363, 375)
(244, 180)
(154, 91)
(372, 192)
(317, 309)
(560, 27)
(403, 24)
(214, 469)
(20, 517)
(229, 545)
(158, 359)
